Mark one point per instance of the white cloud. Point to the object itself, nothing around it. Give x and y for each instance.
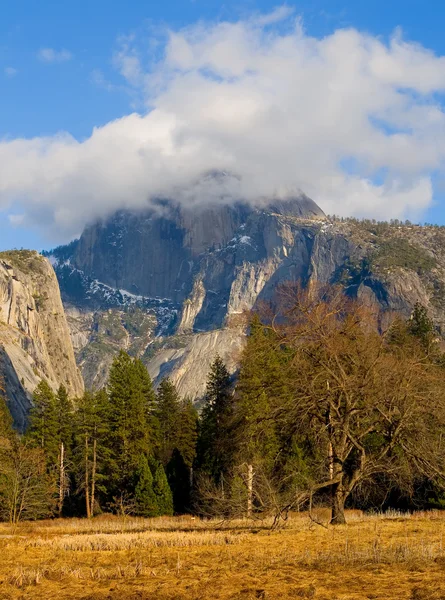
(279, 14)
(10, 71)
(49, 55)
(16, 220)
(356, 123)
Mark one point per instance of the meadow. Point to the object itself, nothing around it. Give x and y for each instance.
(389, 556)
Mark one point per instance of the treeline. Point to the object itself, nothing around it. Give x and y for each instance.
(326, 408)
(108, 451)
(382, 226)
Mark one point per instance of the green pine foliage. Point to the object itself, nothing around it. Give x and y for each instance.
(92, 449)
(168, 410)
(262, 383)
(43, 429)
(187, 432)
(64, 418)
(104, 449)
(216, 443)
(145, 498)
(180, 467)
(178, 429)
(162, 491)
(420, 325)
(129, 430)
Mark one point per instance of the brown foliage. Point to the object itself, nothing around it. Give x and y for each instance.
(372, 407)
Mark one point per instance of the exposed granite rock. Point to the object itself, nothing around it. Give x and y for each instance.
(212, 265)
(192, 307)
(188, 366)
(156, 253)
(99, 335)
(34, 335)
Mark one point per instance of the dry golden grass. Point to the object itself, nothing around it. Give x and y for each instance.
(391, 556)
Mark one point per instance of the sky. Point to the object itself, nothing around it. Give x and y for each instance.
(108, 104)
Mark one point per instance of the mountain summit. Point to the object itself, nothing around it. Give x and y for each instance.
(167, 284)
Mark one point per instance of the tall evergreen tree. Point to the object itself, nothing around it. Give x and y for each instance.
(43, 424)
(164, 498)
(168, 411)
(129, 431)
(421, 326)
(92, 434)
(215, 444)
(64, 433)
(179, 469)
(144, 495)
(146, 384)
(262, 383)
(188, 432)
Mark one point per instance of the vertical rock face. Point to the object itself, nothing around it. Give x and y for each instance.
(153, 253)
(195, 271)
(99, 335)
(34, 335)
(188, 366)
(210, 264)
(157, 253)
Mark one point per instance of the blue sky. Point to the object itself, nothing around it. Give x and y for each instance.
(57, 71)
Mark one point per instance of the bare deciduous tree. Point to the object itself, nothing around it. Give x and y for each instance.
(370, 406)
(26, 491)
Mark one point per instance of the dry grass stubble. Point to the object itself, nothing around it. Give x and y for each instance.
(382, 557)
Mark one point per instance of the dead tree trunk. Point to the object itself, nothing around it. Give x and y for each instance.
(249, 490)
(87, 479)
(93, 477)
(62, 482)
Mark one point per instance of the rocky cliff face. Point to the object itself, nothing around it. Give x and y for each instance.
(35, 339)
(194, 273)
(99, 335)
(156, 253)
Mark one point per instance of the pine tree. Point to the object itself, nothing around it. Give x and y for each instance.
(43, 428)
(92, 446)
(146, 386)
(64, 434)
(187, 432)
(129, 434)
(421, 326)
(180, 467)
(162, 491)
(262, 381)
(215, 444)
(149, 394)
(168, 410)
(144, 495)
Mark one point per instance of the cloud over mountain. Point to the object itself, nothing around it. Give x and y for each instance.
(356, 123)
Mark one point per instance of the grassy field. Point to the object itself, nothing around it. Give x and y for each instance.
(389, 556)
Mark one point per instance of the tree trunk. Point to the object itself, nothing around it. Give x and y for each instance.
(87, 479)
(331, 461)
(61, 478)
(338, 505)
(249, 490)
(93, 477)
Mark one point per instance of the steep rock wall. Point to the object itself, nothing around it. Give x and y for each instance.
(34, 334)
(211, 265)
